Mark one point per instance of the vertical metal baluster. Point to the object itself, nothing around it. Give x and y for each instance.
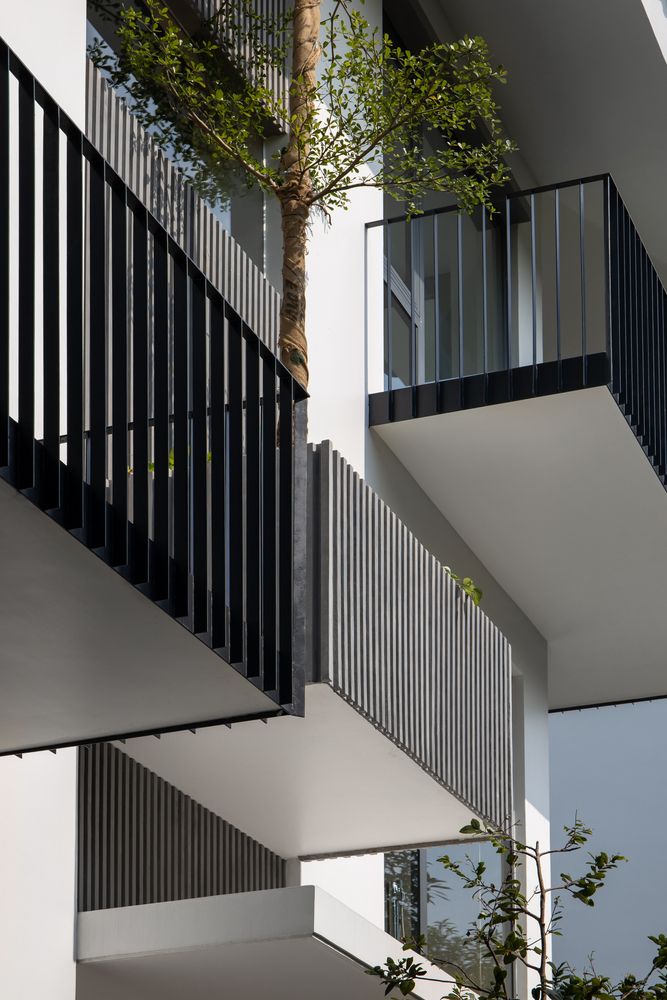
(75, 441)
(269, 553)
(413, 236)
(436, 303)
(95, 509)
(533, 283)
(25, 440)
(557, 248)
(4, 254)
(119, 362)
(611, 258)
(459, 266)
(178, 585)
(236, 561)
(218, 459)
(389, 364)
(508, 267)
(253, 504)
(485, 297)
(286, 536)
(50, 487)
(139, 528)
(159, 548)
(198, 513)
(582, 263)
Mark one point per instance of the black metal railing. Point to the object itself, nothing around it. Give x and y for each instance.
(136, 407)
(638, 305)
(552, 292)
(526, 286)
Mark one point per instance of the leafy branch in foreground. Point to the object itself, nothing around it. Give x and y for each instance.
(516, 920)
(359, 110)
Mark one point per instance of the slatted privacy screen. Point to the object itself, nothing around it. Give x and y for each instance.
(268, 13)
(141, 840)
(135, 405)
(171, 199)
(398, 639)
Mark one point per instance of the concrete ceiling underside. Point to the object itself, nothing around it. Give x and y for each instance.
(558, 500)
(585, 92)
(326, 784)
(84, 655)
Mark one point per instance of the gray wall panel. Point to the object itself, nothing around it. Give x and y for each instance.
(141, 840)
(396, 637)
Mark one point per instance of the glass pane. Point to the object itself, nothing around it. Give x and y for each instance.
(424, 298)
(400, 345)
(545, 216)
(473, 299)
(521, 289)
(401, 883)
(448, 296)
(594, 257)
(451, 910)
(570, 273)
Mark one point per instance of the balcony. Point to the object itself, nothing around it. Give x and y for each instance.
(407, 699)
(148, 503)
(519, 375)
(173, 900)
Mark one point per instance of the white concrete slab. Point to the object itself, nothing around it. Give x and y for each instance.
(83, 654)
(277, 945)
(557, 498)
(326, 784)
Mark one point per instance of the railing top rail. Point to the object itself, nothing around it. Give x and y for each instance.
(502, 196)
(113, 179)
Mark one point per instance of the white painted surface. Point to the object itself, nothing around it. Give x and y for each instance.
(336, 313)
(279, 944)
(50, 38)
(326, 784)
(358, 882)
(566, 123)
(336, 308)
(559, 500)
(82, 653)
(37, 876)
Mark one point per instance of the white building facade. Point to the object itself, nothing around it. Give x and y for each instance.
(242, 701)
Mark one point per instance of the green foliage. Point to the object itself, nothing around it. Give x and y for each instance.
(467, 585)
(515, 921)
(206, 97)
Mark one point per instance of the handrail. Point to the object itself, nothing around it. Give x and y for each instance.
(507, 195)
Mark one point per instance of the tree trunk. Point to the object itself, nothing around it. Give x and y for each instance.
(292, 342)
(296, 191)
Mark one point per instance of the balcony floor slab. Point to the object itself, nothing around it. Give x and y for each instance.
(557, 499)
(278, 944)
(84, 655)
(326, 784)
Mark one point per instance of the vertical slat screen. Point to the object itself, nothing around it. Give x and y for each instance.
(270, 12)
(136, 410)
(396, 637)
(141, 840)
(162, 187)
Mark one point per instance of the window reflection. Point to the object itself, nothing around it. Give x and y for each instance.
(423, 899)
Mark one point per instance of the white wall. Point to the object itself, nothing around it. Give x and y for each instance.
(37, 876)
(49, 36)
(358, 882)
